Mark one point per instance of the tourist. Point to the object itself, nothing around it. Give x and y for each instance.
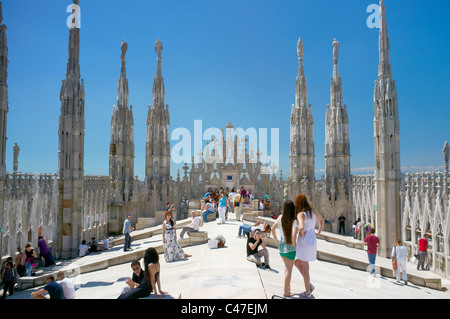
(45, 252)
(194, 226)
(172, 249)
(52, 290)
(8, 260)
(104, 244)
(30, 261)
(355, 228)
(84, 249)
(152, 272)
(360, 229)
(208, 193)
(231, 199)
(372, 242)
(222, 208)
(127, 229)
(20, 262)
(341, 221)
(66, 284)
(169, 207)
(9, 278)
(209, 210)
(286, 223)
(305, 241)
(244, 194)
(422, 247)
(261, 205)
(267, 204)
(238, 200)
(135, 280)
(399, 255)
(94, 245)
(253, 254)
(250, 195)
(247, 229)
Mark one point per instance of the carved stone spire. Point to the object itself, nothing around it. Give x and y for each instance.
(121, 156)
(337, 141)
(158, 122)
(302, 128)
(71, 151)
(387, 145)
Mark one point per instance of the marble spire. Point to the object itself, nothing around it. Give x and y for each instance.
(158, 129)
(387, 173)
(301, 129)
(337, 141)
(71, 134)
(121, 155)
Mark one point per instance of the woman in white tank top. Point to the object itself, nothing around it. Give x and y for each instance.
(306, 243)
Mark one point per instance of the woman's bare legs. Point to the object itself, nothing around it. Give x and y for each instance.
(303, 267)
(287, 276)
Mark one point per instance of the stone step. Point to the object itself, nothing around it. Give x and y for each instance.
(113, 256)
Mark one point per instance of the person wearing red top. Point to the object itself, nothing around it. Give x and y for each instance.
(372, 242)
(422, 249)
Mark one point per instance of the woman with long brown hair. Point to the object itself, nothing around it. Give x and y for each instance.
(172, 249)
(306, 242)
(285, 223)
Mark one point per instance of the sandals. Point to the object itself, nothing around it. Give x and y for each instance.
(308, 294)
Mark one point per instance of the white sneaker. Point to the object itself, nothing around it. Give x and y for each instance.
(252, 259)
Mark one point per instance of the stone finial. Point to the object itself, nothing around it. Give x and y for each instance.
(158, 48)
(124, 48)
(335, 51)
(77, 2)
(445, 152)
(16, 150)
(1, 13)
(300, 49)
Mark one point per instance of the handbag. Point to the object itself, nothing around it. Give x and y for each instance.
(394, 260)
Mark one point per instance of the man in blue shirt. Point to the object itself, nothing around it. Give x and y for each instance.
(127, 229)
(52, 288)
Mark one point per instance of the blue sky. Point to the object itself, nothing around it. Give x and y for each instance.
(233, 60)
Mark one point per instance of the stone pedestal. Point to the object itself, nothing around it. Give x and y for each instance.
(195, 204)
(144, 222)
(115, 220)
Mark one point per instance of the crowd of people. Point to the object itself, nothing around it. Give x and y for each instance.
(221, 201)
(296, 237)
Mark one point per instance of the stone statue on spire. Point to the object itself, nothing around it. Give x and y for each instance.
(445, 152)
(158, 48)
(335, 51)
(124, 47)
(300, 49)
